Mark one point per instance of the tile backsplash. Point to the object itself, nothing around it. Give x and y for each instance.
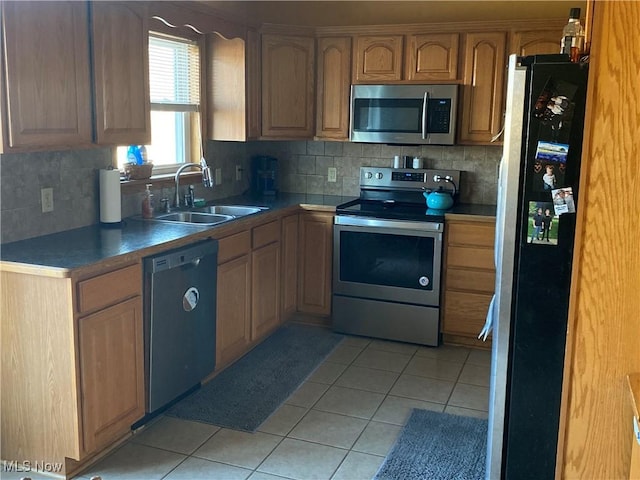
(303, 166)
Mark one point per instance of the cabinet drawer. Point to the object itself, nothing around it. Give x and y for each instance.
(234, 246)
(480, 234)
(110, 288)
(470, 257)
(265, 234)
(471, 280)
(465, 313)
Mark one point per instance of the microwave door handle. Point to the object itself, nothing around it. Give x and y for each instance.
(424, 115)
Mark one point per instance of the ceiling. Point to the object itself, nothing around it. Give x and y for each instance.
(339, 13)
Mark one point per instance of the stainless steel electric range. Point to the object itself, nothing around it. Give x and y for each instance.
(388, 256)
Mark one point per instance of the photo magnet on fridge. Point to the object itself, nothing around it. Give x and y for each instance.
(549, 166)
(563, 200)
(554, 108)
(542, 224)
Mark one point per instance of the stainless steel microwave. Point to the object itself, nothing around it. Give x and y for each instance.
(403, 114)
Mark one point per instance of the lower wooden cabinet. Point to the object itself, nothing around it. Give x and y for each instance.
(289, 266)
(265, 290)
(233, 318)
(112, 372)
(469, 278)
(316, 259)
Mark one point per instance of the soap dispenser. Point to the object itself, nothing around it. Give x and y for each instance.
(147, 203)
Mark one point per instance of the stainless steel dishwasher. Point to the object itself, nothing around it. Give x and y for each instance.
(180, 320)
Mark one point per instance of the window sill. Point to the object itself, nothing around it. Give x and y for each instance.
(165, 180)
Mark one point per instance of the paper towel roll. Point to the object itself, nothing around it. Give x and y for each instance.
(110, 203)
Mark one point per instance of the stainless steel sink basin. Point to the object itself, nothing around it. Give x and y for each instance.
(199, 218)
(234, 210)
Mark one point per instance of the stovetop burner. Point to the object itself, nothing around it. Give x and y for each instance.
(398, 193)
(391, 210)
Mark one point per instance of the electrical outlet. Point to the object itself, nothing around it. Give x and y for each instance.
(46, 196)
(218, 176)
(238, 173)
(332, 174)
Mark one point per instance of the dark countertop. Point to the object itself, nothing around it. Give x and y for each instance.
(93, 244)
(89, 245)
(471, 209)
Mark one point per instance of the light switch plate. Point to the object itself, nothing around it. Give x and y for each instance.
(218, 176)
(238, 173)
(332, 174)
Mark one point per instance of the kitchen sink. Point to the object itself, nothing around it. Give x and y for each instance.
(199, 218)
(233, 210)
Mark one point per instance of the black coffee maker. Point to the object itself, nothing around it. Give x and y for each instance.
(264, 175)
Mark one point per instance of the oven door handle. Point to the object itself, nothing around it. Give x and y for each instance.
(391, 224)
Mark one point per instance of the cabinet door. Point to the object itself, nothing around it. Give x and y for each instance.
(287, 86)
(46, 64)
(253, 68)
(432, 57)
(483, 89)
(334, 80)
(121, 73)
(289, 282)
(316, 253)
(233, 310)
(112, 372)
(536, 42)
(378, 58)
(265, 290)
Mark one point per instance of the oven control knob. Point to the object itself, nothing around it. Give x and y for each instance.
(424, 281)
(378, 175)
(368, 175)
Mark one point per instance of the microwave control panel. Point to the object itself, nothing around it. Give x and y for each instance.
(439, 114)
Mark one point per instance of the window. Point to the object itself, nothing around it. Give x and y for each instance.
(174, 81)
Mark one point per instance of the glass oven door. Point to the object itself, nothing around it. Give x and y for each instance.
(388, 262)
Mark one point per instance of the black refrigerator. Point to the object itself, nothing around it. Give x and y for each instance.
(538, 194)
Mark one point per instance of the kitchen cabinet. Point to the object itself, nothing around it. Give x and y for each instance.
(265, 279)
(46, 70)
(483, 87)
(333, 86)
(288, 80)
(49, 76)
(233, 315)
(112, 372)
(535, 42)
(233, 100)
(120, 42)
(469, 278)
(377, 58)
(432, 57)
(289, 267)
(316, 257)
(79, 342)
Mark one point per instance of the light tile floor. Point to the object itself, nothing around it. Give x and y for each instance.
(339, 424)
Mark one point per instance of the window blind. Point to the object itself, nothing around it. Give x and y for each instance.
(174, 74)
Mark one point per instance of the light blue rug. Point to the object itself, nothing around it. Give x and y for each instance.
(437, 446)
(249, 391)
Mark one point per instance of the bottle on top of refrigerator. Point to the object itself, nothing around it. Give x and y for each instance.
(573, 36)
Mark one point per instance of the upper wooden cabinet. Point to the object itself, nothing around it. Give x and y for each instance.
(287, 86)
(46, 69)
(333, 82)
(535, 42)
(378, 58)
(432, 57)
(483, 87)
(120, 35)
(48, 75)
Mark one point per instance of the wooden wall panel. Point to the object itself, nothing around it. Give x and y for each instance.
(604, 324)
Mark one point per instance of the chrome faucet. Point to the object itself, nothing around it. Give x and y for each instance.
(206, 177)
